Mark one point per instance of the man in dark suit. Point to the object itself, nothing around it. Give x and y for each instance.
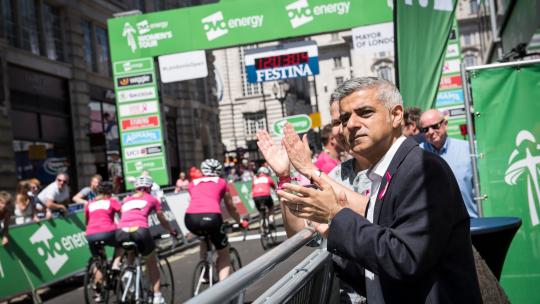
(413, 240)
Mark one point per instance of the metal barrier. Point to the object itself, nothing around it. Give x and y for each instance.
(309, 282)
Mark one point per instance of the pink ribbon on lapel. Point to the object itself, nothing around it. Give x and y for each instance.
(388, 179)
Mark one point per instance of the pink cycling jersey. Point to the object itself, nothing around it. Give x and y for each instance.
(135, 210)
(206, 194)
(261, 185)
(326, 163)
(100, 215)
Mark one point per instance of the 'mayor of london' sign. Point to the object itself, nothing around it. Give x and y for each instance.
(373, 39)
(283, 61)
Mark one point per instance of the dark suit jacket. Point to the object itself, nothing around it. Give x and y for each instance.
(419, 244)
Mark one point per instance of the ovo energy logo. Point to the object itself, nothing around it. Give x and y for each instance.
(147, 34)
(524, 163)
(216, 25)
(301, 13)
(54, 260)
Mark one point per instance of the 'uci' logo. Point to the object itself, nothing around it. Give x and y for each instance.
(54, 259)
(215, 26)
(299, 13)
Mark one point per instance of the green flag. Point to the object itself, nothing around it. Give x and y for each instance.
(508, 137)
(422, 29)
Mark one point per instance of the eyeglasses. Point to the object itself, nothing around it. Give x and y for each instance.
(436, 126)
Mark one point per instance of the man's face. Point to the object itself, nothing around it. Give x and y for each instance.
(94, 183)
(436, 128)
(61, 181)
(337, 129)
(367, 124)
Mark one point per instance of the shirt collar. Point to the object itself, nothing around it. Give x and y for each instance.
(378, 170)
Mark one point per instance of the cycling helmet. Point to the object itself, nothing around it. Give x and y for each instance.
(211, 167)
(144, 181)
(105, 188)
(263, 170)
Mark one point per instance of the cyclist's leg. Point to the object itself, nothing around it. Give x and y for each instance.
(224, 263)
(194, 223)
(270, 207)
(97, 251)
(153, 270)
(219, 239)
(146, 247)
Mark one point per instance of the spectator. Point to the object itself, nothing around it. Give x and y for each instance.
(411, 125)
(232, 177)
(181, 183)
(454, 151)
(41, 209)
(88, 193)
(246, 174)
(6, 210)
(414, 241)
(329, 157)
(56, 195)
(24, 208)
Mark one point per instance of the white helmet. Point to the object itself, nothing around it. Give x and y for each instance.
(263, 170)
(211, 167)
(144, 181)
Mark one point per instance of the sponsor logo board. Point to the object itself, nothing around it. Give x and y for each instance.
(449, 97)
(143, 151)
(146, 35)
(139, 108)
(135, 80)
(216, 25)
(139, 123)
(141, 137)
(183, 66)
(450, 82)
(150, 164)
(451, 66)
(373, 39)
(301, 13)
(137, 94)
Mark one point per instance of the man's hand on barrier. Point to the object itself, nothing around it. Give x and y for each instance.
(275, 155)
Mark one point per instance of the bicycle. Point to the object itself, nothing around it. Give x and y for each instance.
(133, 286)
(205, 274)
(267, 229)
(98, 292)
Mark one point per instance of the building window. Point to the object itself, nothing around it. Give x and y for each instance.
(8, 23)
(248, 88)
(254, 122)
(337, 63)
(29, 22)
(339, 81)
(102, 51)
(473, 6)
(53, 32)
(470, 60)
(88, 46)
(386, 72)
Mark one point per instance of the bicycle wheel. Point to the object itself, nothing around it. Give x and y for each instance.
(265, 234)
(200, 281)
(236, 263)
(272, 233)
(166, 280)
(94, 292)
(125, 286)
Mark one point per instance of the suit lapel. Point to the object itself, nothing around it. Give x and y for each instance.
(386, 181)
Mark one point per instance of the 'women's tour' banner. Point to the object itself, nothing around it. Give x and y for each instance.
(508, 137)
(421, 33)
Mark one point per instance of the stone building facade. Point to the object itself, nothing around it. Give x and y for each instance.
(57, 95)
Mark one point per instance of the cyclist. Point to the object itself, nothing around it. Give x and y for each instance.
(133, 227)
(203, 215)
(260, 191)
(100, 226)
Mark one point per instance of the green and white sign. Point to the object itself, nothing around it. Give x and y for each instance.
(139, 120)
(508, 135)
(235, 22)
(301, 124)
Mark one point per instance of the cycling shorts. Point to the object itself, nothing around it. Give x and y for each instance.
(107, 237)
(266, 200)
(209, 225)
(140, 236)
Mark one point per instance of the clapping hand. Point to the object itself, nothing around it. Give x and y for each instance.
(275, 155)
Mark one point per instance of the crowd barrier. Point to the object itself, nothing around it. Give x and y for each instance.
(40, 254)
(309, 282)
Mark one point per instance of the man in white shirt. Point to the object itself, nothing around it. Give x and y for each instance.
(56, 195)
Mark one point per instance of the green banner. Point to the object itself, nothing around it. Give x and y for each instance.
(422, 29)
(139, 120)
(232, 23)
(508, 135)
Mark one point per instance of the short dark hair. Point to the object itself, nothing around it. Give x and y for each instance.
(411, 115)
(326, 134)
(388, 94)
